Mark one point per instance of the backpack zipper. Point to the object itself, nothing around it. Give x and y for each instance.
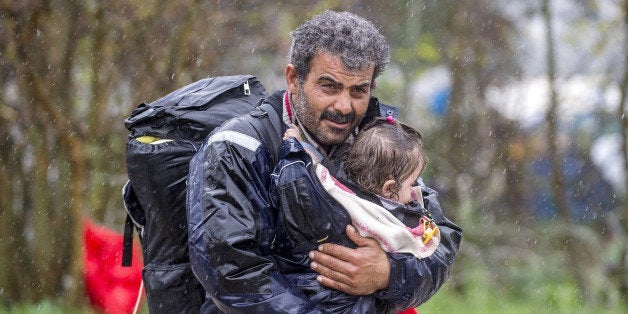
(247, 88)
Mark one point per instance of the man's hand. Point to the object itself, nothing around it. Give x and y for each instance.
(360, 271)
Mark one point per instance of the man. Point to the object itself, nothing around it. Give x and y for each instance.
(335, 59)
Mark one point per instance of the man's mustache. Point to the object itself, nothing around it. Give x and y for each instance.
(338, 117)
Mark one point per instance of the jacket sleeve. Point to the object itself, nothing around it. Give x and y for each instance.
(413, 281)
(231, 227)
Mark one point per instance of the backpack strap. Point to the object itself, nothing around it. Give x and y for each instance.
(134, 219)
(269, 126)
(127, 244)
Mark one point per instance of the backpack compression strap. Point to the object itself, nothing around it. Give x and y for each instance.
(133, 208)
(127, 244)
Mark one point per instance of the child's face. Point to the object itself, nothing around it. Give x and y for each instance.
(407, 186)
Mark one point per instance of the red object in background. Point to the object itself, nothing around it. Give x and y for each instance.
(110, 287)
(409, 311)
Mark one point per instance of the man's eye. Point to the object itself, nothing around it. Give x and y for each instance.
(329, 87)
(360, 90)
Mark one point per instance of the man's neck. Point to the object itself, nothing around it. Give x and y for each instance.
(289, 116)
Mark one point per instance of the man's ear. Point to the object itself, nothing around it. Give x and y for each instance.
(292, 79)
(389, 188)
(374, 85)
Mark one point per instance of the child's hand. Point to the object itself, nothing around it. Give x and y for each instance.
(292, 131)
(415, 193)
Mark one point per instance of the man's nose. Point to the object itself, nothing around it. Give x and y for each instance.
(343, 103)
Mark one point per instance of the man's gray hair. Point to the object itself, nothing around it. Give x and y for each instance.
(352, 38)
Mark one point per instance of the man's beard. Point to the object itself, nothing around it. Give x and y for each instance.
(323, 135)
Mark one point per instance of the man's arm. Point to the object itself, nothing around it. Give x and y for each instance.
(231, 227)
(404, 281)
(360, 271)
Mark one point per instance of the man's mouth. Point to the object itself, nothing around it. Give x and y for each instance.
(341, 120)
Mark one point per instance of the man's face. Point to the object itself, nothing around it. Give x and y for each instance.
(332, 100)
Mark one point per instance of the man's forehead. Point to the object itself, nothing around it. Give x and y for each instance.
(328, 66)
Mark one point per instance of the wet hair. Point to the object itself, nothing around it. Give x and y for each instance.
(352, 38)
(383, 151)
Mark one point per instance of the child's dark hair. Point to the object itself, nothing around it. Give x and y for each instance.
(383, 150)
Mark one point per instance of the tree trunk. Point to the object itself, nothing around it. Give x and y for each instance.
(558, 180)
(78, 173)
(11, 242)
(557, 176)
(621, 114)
(96, 121)
(45, 247)
(43, 97)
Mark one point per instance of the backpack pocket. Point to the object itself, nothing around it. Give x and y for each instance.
(170, 290)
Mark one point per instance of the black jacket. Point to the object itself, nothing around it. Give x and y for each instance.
(232, 228)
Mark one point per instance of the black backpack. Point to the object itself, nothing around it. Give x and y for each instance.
(165, 135)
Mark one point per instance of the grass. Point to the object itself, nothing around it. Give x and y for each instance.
(48, 307)
(554, 298)
(480, 295)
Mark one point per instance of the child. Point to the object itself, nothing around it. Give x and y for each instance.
(378, 195)
(385, 159)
